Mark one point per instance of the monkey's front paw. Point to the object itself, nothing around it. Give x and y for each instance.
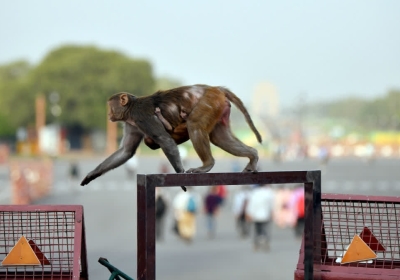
(90, 177)
(85, 181)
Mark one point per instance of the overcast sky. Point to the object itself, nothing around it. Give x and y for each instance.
(324, 49)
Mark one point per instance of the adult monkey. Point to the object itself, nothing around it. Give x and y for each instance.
(198, 112)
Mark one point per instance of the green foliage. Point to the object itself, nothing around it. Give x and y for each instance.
(164, 83)
(13, 76)
(6, 129)
(84, 77)
(14, 71)
(376, 114)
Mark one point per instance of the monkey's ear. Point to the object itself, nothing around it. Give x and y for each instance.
(123, 99)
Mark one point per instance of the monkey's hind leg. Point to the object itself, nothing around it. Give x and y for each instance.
(201, 121)
(201, 144)
(222, 137)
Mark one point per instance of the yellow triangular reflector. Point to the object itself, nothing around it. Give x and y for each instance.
(358, 251)
(21, 254)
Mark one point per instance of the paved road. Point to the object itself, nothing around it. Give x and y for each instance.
(110, 214)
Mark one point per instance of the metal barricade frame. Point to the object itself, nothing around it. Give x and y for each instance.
(146, 184)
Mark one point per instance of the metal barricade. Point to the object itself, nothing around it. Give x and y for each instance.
(360, 238)
(146, 185)
(42, 242)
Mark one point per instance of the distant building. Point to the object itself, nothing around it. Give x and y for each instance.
(265, 102)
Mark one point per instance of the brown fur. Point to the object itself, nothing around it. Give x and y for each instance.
(199, 113)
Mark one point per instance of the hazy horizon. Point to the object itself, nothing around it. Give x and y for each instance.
(321, 50)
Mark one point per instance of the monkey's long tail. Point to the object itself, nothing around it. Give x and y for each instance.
(239, 104)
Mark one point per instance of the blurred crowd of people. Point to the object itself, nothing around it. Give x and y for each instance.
(254, 209)
(260, 206)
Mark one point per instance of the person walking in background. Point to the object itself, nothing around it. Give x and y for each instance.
(283, 213)
(222, 192)
(131, 167)
(73, 172)
(164, 167)
(323, 155)
(185, 209)
(240, 202)
(212, 203)
(297, 203)
(161, 211)
(259, 210)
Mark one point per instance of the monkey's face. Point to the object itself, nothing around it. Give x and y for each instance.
(118, 104)
(115, 111)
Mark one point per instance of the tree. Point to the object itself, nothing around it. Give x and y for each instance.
(6, 129)
(164, 83)
(381, 113)
(14, 71)
(84, 77)
(12, 76)
(393, 101)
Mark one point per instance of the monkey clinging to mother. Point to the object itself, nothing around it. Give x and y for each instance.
(168, 118)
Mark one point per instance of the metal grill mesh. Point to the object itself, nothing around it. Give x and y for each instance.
(52, 231)
(342, 219)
